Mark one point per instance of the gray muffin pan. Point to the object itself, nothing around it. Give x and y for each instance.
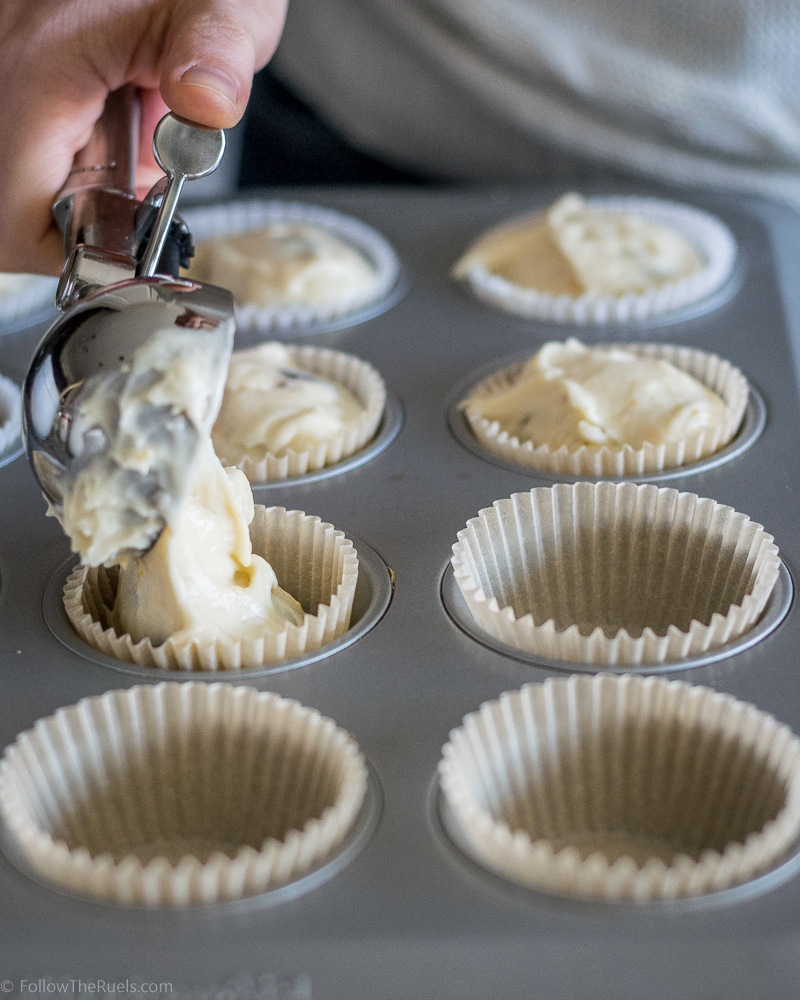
(403, 913)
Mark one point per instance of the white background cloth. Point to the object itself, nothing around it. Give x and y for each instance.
(701, 92)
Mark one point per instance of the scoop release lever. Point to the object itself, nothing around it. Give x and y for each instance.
(184, 152)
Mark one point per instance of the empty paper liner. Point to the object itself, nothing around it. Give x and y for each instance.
(623, 788)
(612, 573)
(313, 561)
(177, 794)
(715, 373)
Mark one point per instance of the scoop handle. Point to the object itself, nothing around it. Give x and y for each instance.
(97, 204)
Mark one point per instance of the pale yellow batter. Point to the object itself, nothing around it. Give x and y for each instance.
(271, 406)
(287, 264)
(527, 256)
(573, 395)
(575, 249)
(201, 580)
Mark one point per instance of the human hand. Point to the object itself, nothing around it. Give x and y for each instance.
(59, 59)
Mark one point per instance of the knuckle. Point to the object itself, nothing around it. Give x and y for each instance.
(220, 29)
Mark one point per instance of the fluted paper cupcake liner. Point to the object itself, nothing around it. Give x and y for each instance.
(342, 369)
(710, 237)
(715, 373)
(10, 414)
(313, 561)
(623, 788)
(612, 573)
(177, 794)
(244, 216)
(34, 294)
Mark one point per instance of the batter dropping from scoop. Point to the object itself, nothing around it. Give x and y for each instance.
(202, 580)
(199, 578)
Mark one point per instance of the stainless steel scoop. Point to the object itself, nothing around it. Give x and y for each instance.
(115, 302)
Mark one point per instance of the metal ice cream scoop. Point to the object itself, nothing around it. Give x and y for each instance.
(119, 292)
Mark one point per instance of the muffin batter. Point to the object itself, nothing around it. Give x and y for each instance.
(288, 264)
(575, 396)
(270, 406)
(200, 580)
(574, 249)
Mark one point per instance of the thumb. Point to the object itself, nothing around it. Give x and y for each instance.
(213, 48)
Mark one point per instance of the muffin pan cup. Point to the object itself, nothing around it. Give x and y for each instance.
(371, 599)
(174, 795)
(776, 609)
(313, 561)
(715, 373)
(752, 425)
(244, 216)
(623, 788)
(410, 915)
(707, 234)
(610, 573)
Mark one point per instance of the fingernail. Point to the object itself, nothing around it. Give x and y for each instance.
(213, 79)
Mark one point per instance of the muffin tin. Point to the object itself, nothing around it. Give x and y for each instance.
(410, 914)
